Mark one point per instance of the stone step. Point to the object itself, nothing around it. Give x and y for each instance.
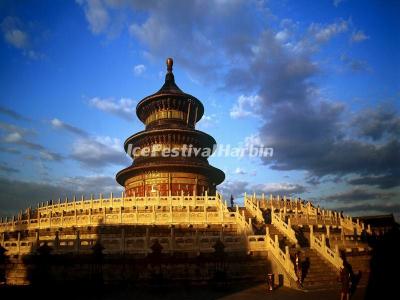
(320, 275)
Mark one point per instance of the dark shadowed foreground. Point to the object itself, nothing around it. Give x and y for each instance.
(201, 293)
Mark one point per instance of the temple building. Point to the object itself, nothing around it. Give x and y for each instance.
(170, 223)
(170, 116)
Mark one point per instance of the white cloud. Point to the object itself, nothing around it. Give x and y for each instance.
(96, 14)
(282, 35)
(246, 106)
(13, 33)
(56, 123)
(10, 128)
(237, 188)
(337, 2)
(4, 167)
(13, 137)
(13, 114)
(95, 152)
(355, 65)
(233, 187)
(16, 34)
(208, 121)
(325, 33)
(92, 184)
(14, 198)
(112, 143)
(139, 69)
(253, 140)
(20, 137)
(284, 188)
(359, 36)
(239, 171)
(16, 38)
(124, 108)
(106, 16)
(99, 152)
(50, 156)
(147, 32)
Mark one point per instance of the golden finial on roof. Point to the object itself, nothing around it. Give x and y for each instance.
(170, 63)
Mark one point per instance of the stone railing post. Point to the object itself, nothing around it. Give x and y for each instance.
(287, 255)
(56, 241)
(342, 233)
(19, 241)
(271, 202)
(28, 216)
(37, 240)
(263, 200)
(77, 241)
(50, 217)
(311, 235)
(38, 218)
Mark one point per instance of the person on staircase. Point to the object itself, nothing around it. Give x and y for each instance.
(298, 268)
(345, 281)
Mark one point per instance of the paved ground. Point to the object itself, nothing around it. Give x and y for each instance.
(250, 293)
(200, 293)
(259, 292)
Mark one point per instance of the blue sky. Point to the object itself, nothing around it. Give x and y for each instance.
(319, 81)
